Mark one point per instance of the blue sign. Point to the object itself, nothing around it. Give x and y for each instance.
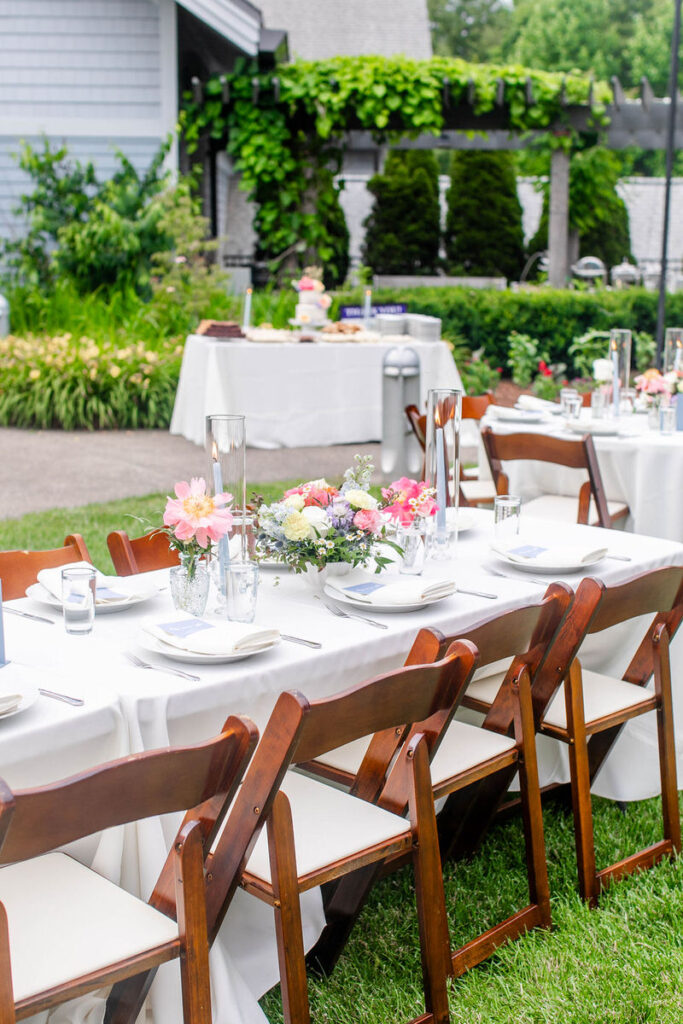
(357, 312)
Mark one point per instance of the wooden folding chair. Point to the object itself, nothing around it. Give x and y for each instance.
(141, 554)
(593, 507)
(316, 833)
(19, 569)
(472, 490)
(64, 929)
(473, 767)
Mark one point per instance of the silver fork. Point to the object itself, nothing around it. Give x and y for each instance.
(139, 663)
(335, 610)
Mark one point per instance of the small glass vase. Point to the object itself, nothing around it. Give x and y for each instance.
(653, 412)
(190, 588)
(317, 577)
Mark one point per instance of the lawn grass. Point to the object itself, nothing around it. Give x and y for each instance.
(621, 964)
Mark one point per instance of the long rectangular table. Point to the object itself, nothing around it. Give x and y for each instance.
(640, 467)
(128, 709)
(295, 394)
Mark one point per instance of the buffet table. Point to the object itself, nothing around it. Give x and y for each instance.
(295, 394)
(640, 467)
(129, 709)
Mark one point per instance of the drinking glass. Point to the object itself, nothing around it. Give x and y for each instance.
(573, 406)
(667, 419)
(78, 600)
(598, 404)
(567, 394)
(242, 580)
(506, 515)
(627, 402)
(409, 538)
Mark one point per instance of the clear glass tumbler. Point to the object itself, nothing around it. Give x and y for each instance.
(242, 579)
(667, 419)
(566, 396)
(78, 600)
(598, 404)
(507, 511)
(410, 539)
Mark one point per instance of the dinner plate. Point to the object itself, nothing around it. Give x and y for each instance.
(154, 646)
(542, 570)
(600, 428)
(29, 695)
(388, 608)
(517, 415)
(37, 592)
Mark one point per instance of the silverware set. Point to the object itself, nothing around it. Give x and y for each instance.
(139, 663)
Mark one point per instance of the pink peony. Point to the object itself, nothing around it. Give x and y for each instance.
(407, 499)
(369, 520)
(194, 514)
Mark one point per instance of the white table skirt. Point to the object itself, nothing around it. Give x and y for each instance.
(159, 708)
(295, 395)
(641, 468)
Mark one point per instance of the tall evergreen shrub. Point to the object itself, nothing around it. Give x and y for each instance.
(403, 227)
(484, 221)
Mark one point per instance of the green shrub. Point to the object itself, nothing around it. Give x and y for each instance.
(484, 221)
(403, 228)
(525, 355)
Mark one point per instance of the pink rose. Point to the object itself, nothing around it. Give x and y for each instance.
(369, 520)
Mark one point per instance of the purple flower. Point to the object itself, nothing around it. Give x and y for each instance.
(340, 514)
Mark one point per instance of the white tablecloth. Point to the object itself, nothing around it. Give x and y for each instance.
(640, 467)
(52, 739)
(295, 395)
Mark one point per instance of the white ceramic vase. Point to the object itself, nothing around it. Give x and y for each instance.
(317, 578)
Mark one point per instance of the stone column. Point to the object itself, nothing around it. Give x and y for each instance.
(558, 225)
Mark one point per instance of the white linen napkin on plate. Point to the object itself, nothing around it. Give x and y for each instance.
(108, 589)
(565, 556)
(382, 590)
(9, 702)
(530, 403)
(201, 637)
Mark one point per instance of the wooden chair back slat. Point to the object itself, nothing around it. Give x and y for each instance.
(655, 592)
(574, 454)
(474, 406)
(141, 554)
(19, 569)
(127, 790)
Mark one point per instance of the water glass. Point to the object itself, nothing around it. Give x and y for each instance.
(241, 580)
(409, 539)
(441, 541)
(506, 515)
(566, 395)
(627, 401)
(78, 600)
(573, 405)
(667, 419)
(598, 404)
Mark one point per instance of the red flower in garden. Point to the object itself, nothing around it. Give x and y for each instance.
(544, 368)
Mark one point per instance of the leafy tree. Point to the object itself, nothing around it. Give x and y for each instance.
(403, 228)
(471, 29)
(331, 216)
(484, 221)
(596, 210)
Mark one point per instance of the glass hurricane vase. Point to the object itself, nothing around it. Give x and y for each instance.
(190, 588)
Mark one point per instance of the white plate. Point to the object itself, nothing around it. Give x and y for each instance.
(154, 646)
(600, 428)
(37, 592)
(29, 695)
(517, 415)
(388, 608)
(544, 569)
(553, 409)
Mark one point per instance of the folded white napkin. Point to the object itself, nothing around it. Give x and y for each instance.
(565, 556)
(503, 412)
(201, 637)
(387, 590)
(108, 589)
(10, 702)
(530, 403)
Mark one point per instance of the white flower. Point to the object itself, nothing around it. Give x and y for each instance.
(317, 518)
(602, 369)
(360, 499)
(297, 527)
(295, 501)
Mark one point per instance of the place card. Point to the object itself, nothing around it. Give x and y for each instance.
(107, 594)
(184, 627)
(364, 588)
(527, 551)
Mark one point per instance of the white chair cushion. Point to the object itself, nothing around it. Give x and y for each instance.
(66, 921)
(565, 509)
(478, 490)
(329, 825)
(602, 695)
(465, 746)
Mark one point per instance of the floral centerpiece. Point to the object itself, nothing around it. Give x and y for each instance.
(652, 385)
(316, 524)
(195, 519)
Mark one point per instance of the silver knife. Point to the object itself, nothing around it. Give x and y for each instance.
(28, 615)
(76, 701)
(298, 640)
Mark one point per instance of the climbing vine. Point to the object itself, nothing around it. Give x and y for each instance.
(285, 128)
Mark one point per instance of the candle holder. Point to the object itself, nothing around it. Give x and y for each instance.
(673, 350)
(442, 466)
(620, 358)
(226, 452)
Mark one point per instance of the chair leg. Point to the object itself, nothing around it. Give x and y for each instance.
(532, 813)
(287, 908)
(580, 783)
(667, 746)
(7, 1015)
(429, 891)
(194, 943)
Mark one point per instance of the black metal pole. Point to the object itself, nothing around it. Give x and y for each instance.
(670, 146)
